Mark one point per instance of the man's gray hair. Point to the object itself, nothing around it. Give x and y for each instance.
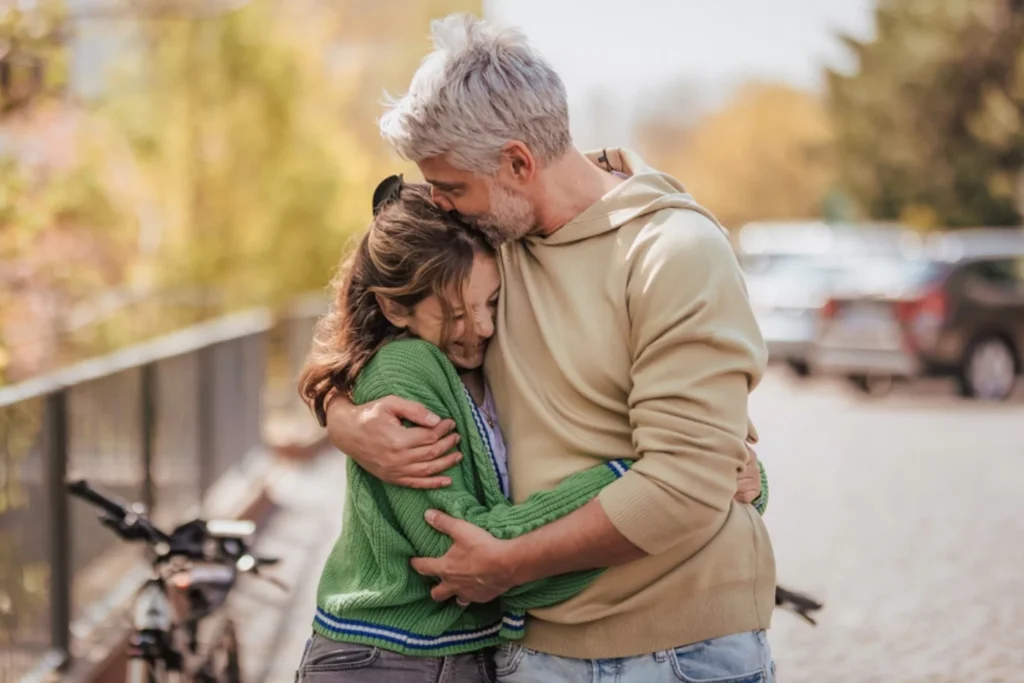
(480, 88)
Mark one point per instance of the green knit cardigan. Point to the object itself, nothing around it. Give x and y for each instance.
(369, 594)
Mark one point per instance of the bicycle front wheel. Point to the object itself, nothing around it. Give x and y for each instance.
(142, 671)
(225, 658)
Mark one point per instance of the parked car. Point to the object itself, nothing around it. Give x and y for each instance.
(787, 302)
(763, 246)
(791, 269)
(956, 312)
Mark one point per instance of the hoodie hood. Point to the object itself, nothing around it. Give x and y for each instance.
(644, 191)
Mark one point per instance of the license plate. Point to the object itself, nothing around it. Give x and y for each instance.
(867, 324)
(869, 313)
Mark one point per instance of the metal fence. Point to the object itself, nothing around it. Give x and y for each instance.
(158, 423)
(290, 341)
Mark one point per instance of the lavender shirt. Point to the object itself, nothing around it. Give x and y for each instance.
(486, 418)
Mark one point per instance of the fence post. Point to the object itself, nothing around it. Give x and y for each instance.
(148, 433)
(204, 400)
(60, 533)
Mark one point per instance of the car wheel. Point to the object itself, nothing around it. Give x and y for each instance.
(872, 385)
(989, 370)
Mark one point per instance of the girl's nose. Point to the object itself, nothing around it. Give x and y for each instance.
(484, 324)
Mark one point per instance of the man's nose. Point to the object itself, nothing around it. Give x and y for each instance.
(441, 201)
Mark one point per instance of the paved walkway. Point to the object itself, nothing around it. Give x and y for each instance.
(273, 624)
(901, 514)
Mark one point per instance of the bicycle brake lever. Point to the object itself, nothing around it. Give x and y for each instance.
(799, 604)
(272, 580)
(118, 525)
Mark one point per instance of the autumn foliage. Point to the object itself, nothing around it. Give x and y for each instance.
(765, 154)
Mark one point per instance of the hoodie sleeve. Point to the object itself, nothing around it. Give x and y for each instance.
(696, 354)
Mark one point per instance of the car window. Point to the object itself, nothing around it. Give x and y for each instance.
(765, 264)
(887, 275)
(1001, 273)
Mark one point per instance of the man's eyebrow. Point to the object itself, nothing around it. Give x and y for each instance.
(441, 185)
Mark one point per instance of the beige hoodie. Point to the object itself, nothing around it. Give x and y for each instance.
(627, 333)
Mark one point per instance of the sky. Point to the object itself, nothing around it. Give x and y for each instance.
(633, 49)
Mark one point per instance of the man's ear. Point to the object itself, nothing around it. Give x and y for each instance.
(517, 162)
(397, 314)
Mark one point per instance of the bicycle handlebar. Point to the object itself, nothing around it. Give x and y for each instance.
(132, 526)
(82, 490)
(118, 512)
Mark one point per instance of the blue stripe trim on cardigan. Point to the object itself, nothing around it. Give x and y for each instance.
(485, 433)
(618, 467)
(413, 640)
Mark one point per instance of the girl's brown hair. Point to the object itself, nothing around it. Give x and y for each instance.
(411, 250)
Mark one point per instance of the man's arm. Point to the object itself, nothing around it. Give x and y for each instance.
(697, 352)
(588, 539)
(373, 435)
(479, 568)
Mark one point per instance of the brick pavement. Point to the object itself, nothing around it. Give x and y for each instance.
(274, 625)
(901, 513)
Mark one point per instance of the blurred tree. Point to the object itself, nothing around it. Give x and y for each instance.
(33, 54)
(63, 238)
(764, 155)
(225, 163)
(377, 47)
(254, 133)
(242, 163)
(930, 127)
(63, 243)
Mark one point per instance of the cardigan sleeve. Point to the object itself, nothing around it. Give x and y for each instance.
(761, 502)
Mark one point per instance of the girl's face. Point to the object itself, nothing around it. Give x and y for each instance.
(481, 298)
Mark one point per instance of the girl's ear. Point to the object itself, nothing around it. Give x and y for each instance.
(397, 314)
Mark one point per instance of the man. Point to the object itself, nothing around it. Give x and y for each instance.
(623, 331)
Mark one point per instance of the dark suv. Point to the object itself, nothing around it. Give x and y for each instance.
(959, 316)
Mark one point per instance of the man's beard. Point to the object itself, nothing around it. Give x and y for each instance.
(510, 218)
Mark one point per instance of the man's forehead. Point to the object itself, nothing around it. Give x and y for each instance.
(438, 171)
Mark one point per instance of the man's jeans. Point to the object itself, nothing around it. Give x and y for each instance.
(739, 658)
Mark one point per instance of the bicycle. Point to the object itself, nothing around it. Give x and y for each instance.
(195, 567)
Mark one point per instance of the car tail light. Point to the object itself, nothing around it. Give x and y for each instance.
(829, 310)
(931, 306)
(922, 319)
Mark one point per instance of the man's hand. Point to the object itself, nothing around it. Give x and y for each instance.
(474, 569)
(748, 482)
(373, 435)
